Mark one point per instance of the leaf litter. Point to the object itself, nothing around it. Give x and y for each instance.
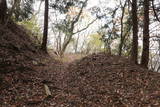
(97, 80)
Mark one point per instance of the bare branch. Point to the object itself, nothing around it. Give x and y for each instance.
(78, 16)
(39, 8)
(154, 10)
(86, 26)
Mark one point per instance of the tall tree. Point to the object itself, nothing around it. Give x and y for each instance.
(122, 27)
(134, 54)
(21, 9)
(3, 11)
(145, 52)
(71, 28)
(45, 32)
(68, 25)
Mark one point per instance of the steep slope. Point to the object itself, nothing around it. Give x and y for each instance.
(17, 48)
(24, 69)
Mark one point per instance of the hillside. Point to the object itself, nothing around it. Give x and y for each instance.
(17, 48)
(108, 80)
(97, 80)
(23, 67)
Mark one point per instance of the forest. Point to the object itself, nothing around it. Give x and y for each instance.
(79, 53)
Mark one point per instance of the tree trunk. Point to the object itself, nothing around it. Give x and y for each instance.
(3, 10)
(134, 54)
(145, 52)
(66, 43)
(121, 36)
(76, 44)
(45, 32)
(71, 29)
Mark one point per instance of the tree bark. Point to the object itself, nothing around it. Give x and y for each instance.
(121, 36)
(71, 29)
(3, 11)
(134, 54)
(65, 44)
(45, 32)
(145, 52)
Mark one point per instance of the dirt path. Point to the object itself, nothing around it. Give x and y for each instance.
(95, 81)
(27, 88)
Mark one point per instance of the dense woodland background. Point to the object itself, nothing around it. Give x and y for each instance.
(67, 53)
(129, 28)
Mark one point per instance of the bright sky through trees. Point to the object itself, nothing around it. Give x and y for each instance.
(92, 29)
